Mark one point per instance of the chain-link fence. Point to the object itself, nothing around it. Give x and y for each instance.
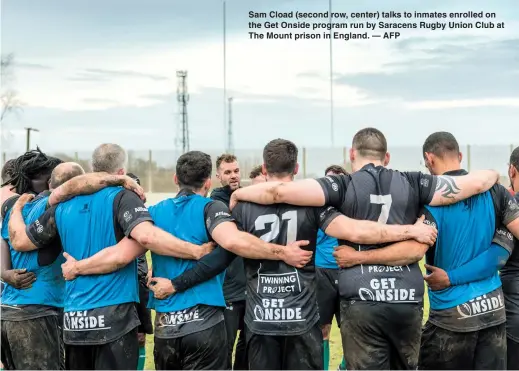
(156, 168)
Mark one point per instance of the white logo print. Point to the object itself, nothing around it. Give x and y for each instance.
(424, 182)
(127, 216)
(384, 289)
(274, 310)
(178, 318)
(480, 305)
(140, 209)
(81, 321)
(221, 213)
(39, 227)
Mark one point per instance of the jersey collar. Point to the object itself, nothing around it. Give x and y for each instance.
(456, 172)
(184, 192)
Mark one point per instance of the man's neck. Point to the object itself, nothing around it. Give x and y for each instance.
(361, 162)
(445, 167)
(284, 179)
(515, 185)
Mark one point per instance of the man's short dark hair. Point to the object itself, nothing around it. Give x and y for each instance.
(227, 158)
(370, 143)
(193, 169)
(134, 177)
(256, 172)
(514, 158)
(280, 157)
(441, 144)
(62, 175)
(7, 170)
(336, 169)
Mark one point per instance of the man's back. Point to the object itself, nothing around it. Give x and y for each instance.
(465, 230)
(183, 217)
(280, 298)
(86, 225)
(389, 197)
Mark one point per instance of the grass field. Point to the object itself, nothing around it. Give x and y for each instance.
(335, 339)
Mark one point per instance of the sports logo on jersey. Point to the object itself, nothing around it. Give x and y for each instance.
(480, 305)
(385, 289)
(334, 185)
(140, 209)
(221, 213)
(274, 309)
(428, 222)
(39, 227)
(179, 318)
(82, 321)
(424, 182)
(127, 216)
(505, 233)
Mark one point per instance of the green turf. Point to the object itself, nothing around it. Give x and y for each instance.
(335, 338)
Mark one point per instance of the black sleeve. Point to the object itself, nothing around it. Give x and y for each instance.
(334, 188)
(216, 212)
(237, 213)
(507, 208)
(429, 220)
(130, 211)
(325, 215)
(142, 269)
(206, 268)
(423, 184)
(504, 238)
(8, 204)
(43, 231)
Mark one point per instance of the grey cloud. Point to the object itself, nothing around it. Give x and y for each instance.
(123, 73)
(99, 101)
(448, 71)
(33, 66)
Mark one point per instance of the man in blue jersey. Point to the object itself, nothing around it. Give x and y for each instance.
(327, 272)
(100, 318)
(29, 317)
(466, 325)
(189, 328)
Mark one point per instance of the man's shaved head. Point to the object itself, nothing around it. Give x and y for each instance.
(64, 172)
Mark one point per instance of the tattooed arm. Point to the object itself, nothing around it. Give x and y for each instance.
(452, 189)
(91, 183)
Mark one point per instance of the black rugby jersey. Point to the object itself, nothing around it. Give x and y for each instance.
(388, 196)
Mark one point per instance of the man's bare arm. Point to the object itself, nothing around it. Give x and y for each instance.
(368, 232)
(398, 254)
(307, 192)
(105, 261)
(18, 237)
(452, 189)
(244, 244)
(162, 243)
(5, 256)
(92, 183)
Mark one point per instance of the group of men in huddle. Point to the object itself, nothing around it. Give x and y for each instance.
(274, 261)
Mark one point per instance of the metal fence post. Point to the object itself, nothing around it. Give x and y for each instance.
(150, 167)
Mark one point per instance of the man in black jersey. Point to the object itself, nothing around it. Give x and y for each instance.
(510, 278)
(228, 172)
(381, 305)
(282, 312)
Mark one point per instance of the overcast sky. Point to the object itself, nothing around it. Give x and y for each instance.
(93, 71)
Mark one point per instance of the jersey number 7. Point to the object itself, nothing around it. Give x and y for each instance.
(385, 201)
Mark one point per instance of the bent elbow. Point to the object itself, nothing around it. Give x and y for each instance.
(232, 244)
(420, 252)
(145, 238)
(277, 193)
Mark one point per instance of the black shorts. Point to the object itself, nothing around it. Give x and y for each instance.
(328, 296)
(300, 352)
(477, 350)
(234, 321)
(512, 351)
(34, 344)
(146, 327)
(120, 354)
(204, 350)
(381, 336)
